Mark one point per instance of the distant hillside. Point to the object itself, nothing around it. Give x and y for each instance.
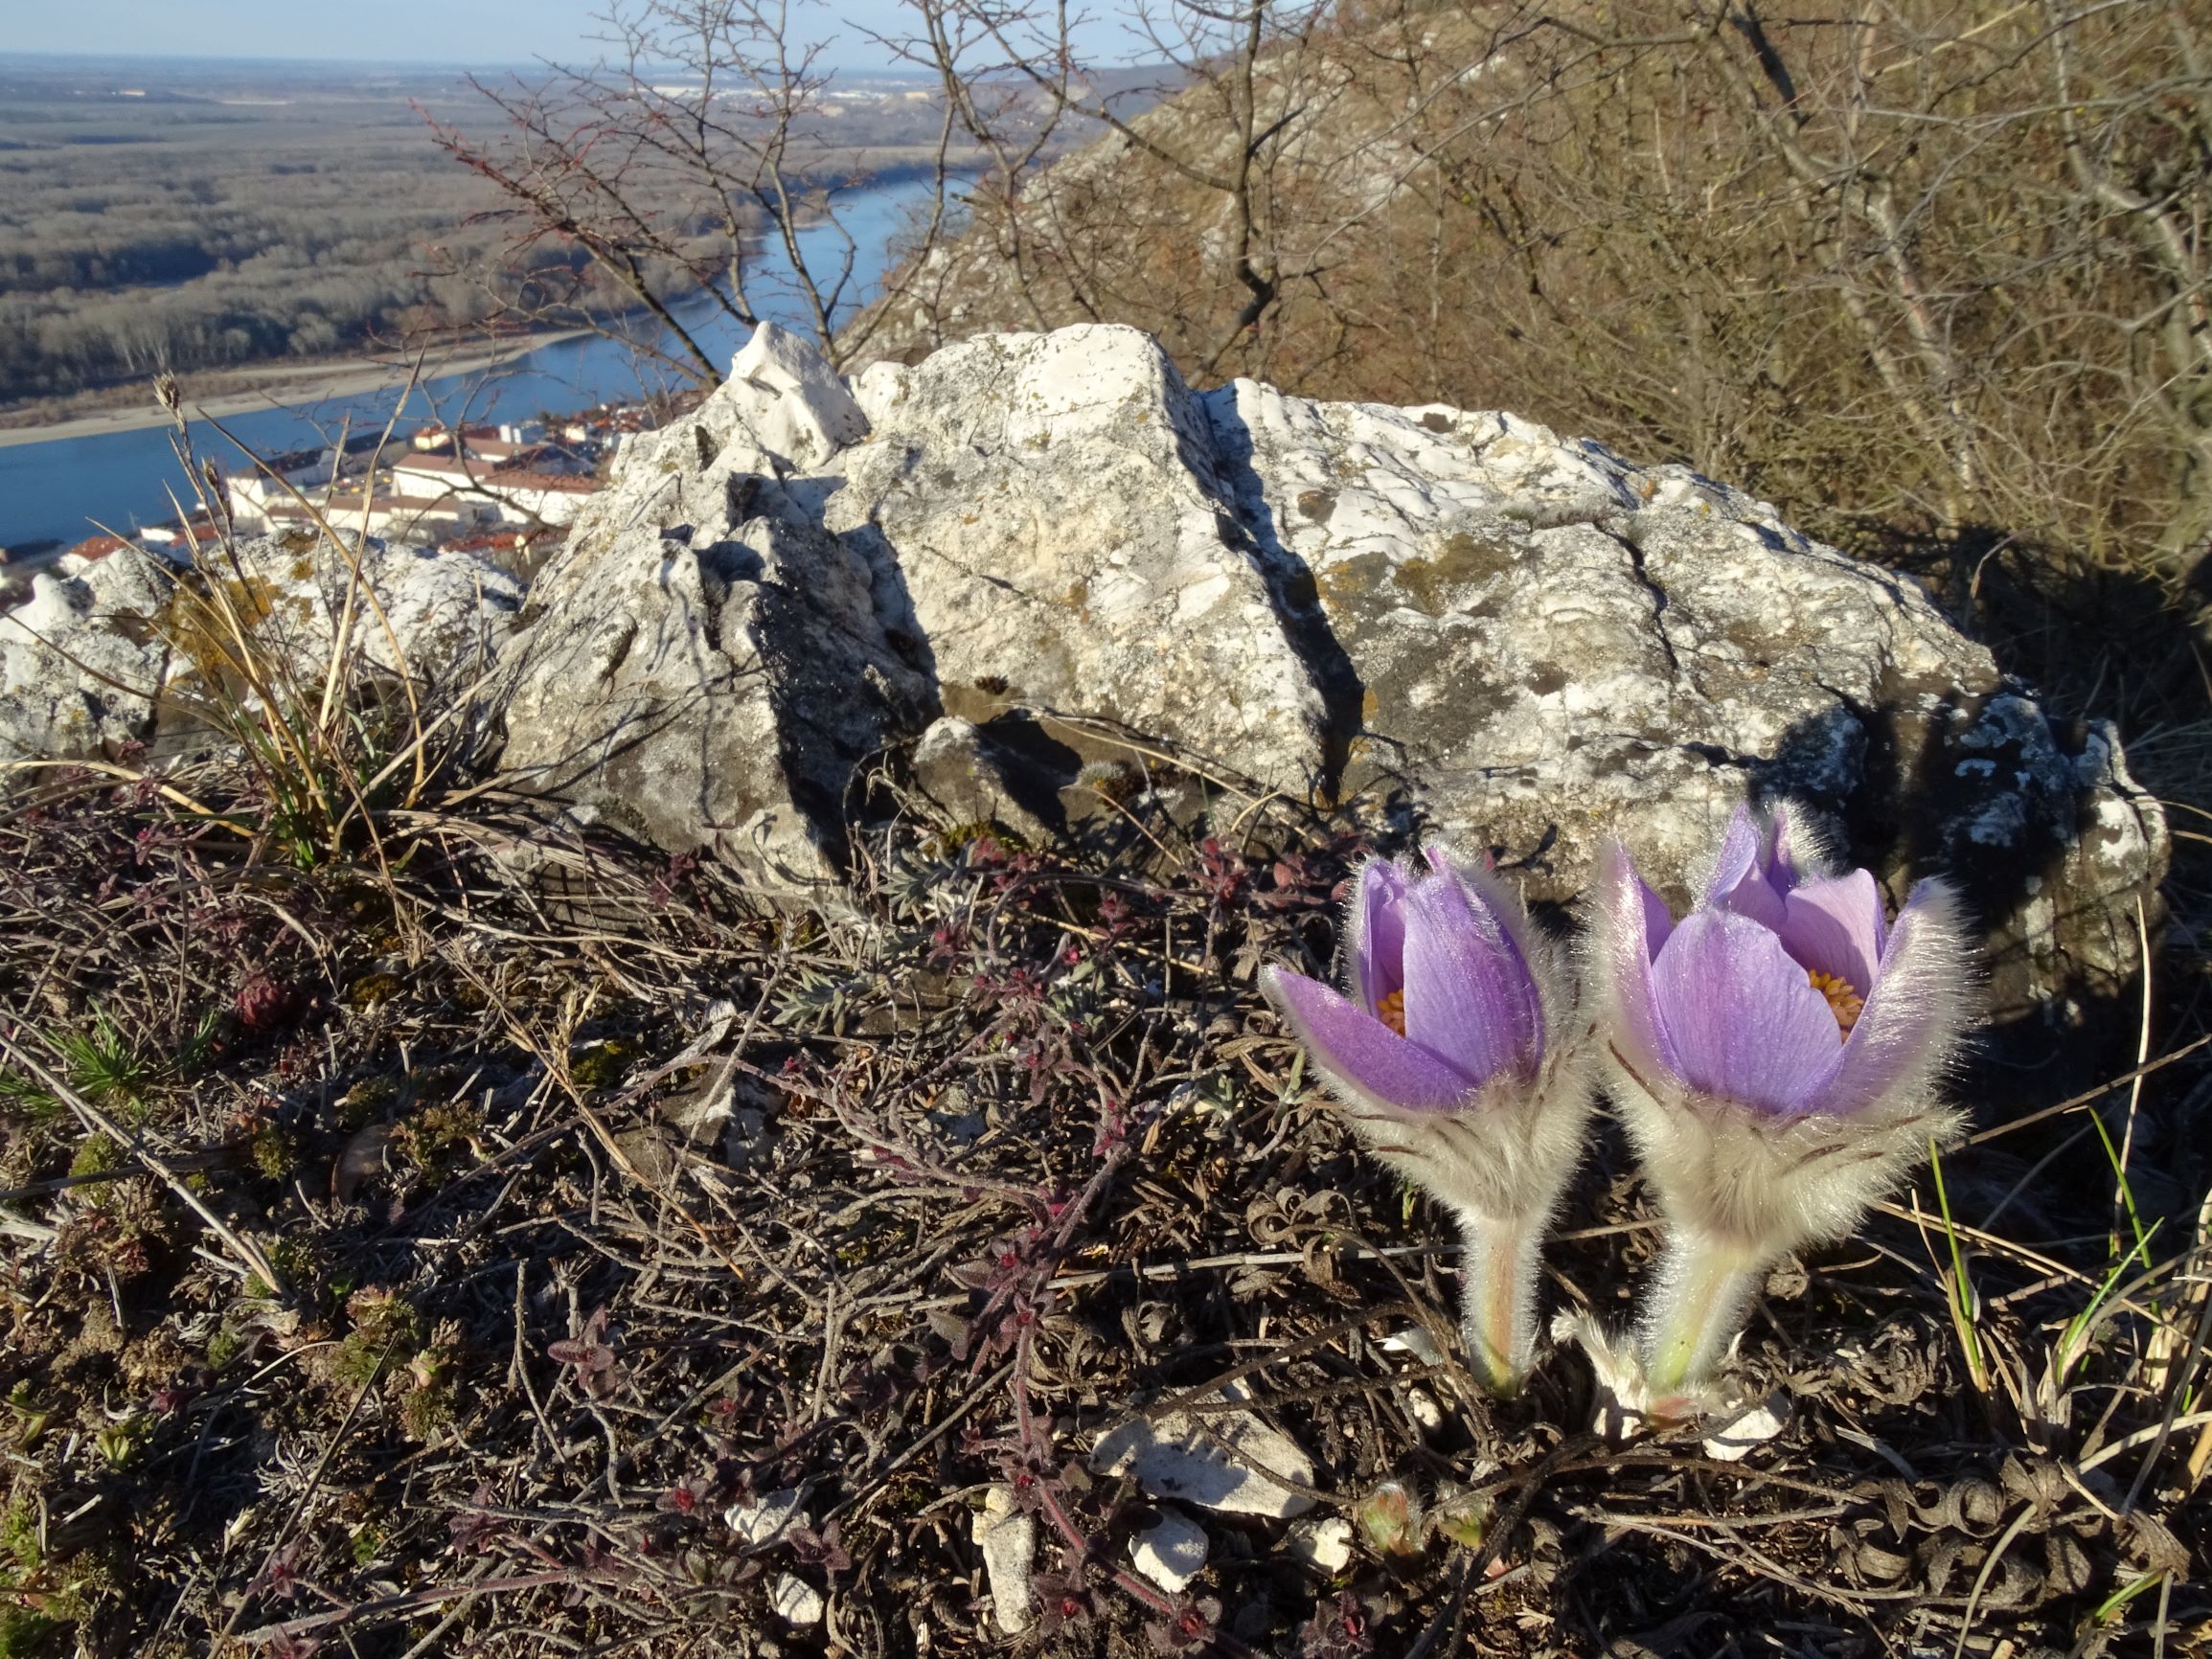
(204, 217)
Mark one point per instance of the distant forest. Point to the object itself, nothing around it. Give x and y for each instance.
(249, 213)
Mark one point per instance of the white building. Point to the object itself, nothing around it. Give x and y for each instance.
(516, 496)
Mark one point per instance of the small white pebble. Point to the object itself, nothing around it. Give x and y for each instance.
(1008, 1541)
(1325, 1544)
(1416, 1341)
(762, 1521)
(797, 1601)
(1753, 1428)
(1171, 1551)
(1421, 1406)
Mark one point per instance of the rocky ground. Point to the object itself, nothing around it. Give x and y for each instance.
(712, 1097)
(519, 1256)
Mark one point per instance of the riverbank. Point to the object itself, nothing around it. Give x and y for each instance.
(87, 466)
(250, 388)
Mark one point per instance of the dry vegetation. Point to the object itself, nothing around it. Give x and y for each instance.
(425, 1220)
(384, 1278)
(422, 1220)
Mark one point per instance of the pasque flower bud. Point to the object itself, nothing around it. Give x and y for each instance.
(1451, 1054)
(1776, 1057)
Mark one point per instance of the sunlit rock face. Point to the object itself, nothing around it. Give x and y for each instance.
(1446, 622)
(1554, 645)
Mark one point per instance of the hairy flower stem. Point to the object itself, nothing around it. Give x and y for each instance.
(1704, 1289)
(1497, 1279)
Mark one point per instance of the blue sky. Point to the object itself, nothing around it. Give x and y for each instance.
(471, 32)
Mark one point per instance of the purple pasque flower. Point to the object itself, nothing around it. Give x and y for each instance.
(1776, 1056)
(1786, 992)
(1450, 1049)
(1442, 996)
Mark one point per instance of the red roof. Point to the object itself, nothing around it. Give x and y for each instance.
(97, 547)
(506, 478)
(196, 531)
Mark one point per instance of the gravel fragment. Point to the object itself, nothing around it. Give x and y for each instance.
(1234, 1463)
(1009, 1544)
(1171, 1551)
(764, 1520)
(1325, 1545)
(797, 1601)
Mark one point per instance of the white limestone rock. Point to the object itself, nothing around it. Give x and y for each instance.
(1008, 1540)
(77, 678)
(972, 779)
(1059, 524)
(1171, 1551)
(1236, 1463)
(1555, 646)
(1459, 620)
(712, 678)
(442, 612)
(83, 664)
(799, 410)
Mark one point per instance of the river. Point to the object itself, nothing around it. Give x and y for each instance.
(55, 490)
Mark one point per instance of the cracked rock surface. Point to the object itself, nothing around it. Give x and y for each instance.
(1555, 646)
(1456, 620)
(84, 663)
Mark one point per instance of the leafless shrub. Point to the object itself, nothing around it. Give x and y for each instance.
(1913, 268)
(683, 166)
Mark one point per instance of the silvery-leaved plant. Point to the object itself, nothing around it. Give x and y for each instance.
(1776, 1056)
(1450, 1052)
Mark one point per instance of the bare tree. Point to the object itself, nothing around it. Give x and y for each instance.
(1072, 239)
(675, 182)
(1930, 267)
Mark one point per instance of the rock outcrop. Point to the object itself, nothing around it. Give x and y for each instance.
(79, 671)
(1044, 551)
(84, 665)
(706, 662)
(1455, 620)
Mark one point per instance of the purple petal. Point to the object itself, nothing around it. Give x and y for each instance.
(1739, 873)
(1633, 923)
(1468, 995)
(1360, 1052)
(1913, 1009)
(1377, 942)
(1745, 1022)
(1490, 895)
(1836, 927)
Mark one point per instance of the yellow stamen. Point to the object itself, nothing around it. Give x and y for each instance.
(1391, 1011)
(1844, 1003)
